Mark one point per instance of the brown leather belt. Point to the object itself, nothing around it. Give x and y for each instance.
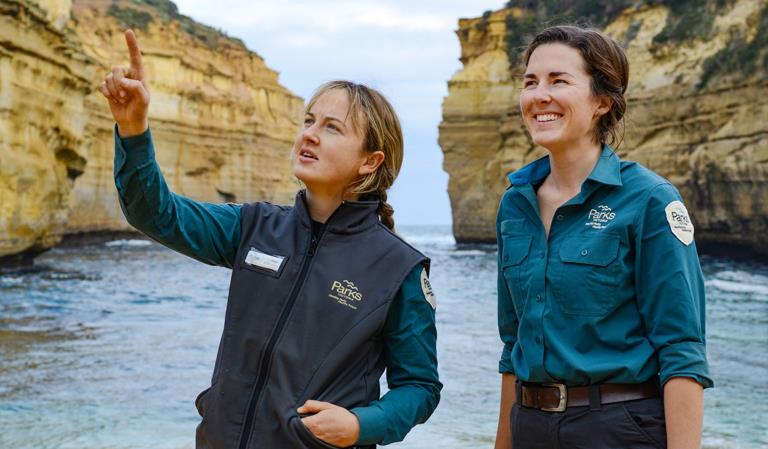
(552, 397)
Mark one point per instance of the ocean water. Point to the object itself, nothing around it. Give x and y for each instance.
(105, 346)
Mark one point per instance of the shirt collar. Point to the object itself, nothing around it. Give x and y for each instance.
(606, 171)
(350, 217)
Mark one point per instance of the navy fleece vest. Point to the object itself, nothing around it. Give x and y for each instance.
(303, 321)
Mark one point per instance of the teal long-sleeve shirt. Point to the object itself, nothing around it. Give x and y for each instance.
(210, 233)
(614, 294)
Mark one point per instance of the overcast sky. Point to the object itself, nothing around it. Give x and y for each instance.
(406, 49)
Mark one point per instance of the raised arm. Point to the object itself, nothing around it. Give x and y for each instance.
(127, 92)
(207, 232)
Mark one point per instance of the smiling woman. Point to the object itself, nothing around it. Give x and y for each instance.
(300, 357)
(601, 296)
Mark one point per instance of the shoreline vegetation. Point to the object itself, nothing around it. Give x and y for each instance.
(687, 20)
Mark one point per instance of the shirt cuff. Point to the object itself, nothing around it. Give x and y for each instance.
(372, 424)
(505, 363)
(685, 359)
(132, 152)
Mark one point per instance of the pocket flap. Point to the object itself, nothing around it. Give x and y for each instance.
(511, 227)
(599, 251)
(514, 249)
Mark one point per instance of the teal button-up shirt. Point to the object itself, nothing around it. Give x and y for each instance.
(210, 233)
(615, 295)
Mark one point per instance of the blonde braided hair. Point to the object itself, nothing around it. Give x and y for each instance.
(374, 117)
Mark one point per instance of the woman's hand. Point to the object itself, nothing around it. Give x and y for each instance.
(333, 424)
(127, 92)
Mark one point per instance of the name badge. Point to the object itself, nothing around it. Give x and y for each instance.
(256, 258)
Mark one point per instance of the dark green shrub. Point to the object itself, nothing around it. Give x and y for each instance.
(166, 7)
(541, 14)
(167, 11)
(634, 27)
(130, 17)
(687, 19)
(740, 58)
(482, 25)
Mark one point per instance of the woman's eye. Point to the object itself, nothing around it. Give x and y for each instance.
(334, 127)
(529, 84)
(308, 122)
(559, 81)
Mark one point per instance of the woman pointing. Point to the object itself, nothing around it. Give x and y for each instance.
(323, 295)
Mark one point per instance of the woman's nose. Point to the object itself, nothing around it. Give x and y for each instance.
(309, 134)
(541, 94)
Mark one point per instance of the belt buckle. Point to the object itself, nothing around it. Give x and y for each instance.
(563, 397)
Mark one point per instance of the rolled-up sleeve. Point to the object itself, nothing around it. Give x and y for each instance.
(207, 232)
(670, 290)
(507, 317)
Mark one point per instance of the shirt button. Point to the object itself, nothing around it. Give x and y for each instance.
(506, 258)
(584, 252)
(538, 340)
(538, 297)
(559, 217)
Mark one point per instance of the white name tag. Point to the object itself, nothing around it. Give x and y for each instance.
(256, 258)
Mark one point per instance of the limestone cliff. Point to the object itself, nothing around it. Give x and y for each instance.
(223, 125)
(697, 108)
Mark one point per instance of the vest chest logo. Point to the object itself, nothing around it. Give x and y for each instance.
(345, 293)
(599, 217)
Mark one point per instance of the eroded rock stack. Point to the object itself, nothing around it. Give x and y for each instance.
(698, 112)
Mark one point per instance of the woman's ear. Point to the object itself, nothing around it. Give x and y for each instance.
(371, 162)
(604, 104)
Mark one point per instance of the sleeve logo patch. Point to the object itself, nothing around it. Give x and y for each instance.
(679, 222)
(426, 288)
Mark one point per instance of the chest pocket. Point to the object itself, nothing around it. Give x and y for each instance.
(515, 250)
(585, 280)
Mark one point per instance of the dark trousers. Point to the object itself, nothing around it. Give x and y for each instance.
(632, 424)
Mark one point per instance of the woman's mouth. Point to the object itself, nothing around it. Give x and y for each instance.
(306, 156)
(546, 118)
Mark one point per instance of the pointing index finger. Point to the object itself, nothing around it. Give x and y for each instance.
(133, 49)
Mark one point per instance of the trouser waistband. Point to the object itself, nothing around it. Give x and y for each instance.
(555, 397)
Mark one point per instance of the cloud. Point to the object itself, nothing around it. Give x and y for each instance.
(301, 16)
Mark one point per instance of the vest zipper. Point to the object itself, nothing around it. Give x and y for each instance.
(267, 357)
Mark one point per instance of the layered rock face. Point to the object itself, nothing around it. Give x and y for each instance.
(44, 80)
(699, 124)
(222, 124)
